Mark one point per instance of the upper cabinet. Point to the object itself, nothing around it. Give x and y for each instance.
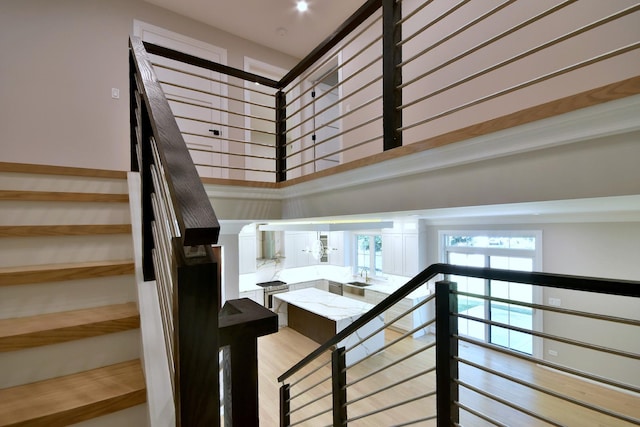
(338, 248)
(404, 248)
(247, 252)
(297, 245)
(302, 248)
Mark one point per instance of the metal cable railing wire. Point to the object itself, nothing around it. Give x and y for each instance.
(528, 53)
(526, 84)
(451, 35)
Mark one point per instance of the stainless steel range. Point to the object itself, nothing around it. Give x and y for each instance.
(270, 289)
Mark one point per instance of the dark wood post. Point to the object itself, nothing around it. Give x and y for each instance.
(339, 375)
(281, 136)
(196, 339)
(242, 321)
(446, 350)
(391, 73)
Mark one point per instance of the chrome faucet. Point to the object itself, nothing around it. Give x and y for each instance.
(365, 270)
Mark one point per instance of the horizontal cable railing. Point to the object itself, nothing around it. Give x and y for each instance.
(400, 73)
(458, 357)
(528, 55)
(226, 116)
(334, 108)
(392, 355)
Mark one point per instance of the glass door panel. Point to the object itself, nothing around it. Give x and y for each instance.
(469, 305)
(511, 314)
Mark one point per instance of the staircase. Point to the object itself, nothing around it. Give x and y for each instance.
(69, 323)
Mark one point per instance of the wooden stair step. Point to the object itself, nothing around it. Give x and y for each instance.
(73, 398)
(54, 196)
(44, 329)
(61, 170)
(63, 230)
(22, 275)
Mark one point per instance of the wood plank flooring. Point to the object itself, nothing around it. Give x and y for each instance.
(280, 351)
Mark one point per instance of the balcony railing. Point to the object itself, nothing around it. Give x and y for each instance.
(429, 362)
(412, 74)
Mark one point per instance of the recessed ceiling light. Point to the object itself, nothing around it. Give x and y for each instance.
(302, 6)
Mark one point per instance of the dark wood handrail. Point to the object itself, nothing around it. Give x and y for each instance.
(627, 288)
(196, 218)
(357, 18)
(208, 65)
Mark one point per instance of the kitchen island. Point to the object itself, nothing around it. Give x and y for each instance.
(320, 315)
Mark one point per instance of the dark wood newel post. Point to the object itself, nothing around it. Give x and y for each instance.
(241, 322)
(391, 74)
(446, 350)
(196, 328)
(281, 136)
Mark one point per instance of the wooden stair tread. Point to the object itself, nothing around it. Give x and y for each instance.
(44, 329)
(61, 170)
(21, 275)
(59, 196)
(70, 399)
(63, 230)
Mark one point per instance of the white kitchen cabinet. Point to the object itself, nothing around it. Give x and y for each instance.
(403, 250)
(296, 246)
(392, 254)
(410, 252)
(337, 251)
(247, 253)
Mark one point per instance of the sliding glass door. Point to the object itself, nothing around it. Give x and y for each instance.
(505, 251)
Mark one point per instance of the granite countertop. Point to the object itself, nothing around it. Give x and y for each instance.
(325, 304)
(382, 286)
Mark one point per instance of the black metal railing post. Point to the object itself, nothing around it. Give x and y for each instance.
(146, 188)
(446, 350)
(285, 405)
(338, 385)
(391, 74)
(281, 136)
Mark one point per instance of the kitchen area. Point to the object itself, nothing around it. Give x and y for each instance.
(278, 261)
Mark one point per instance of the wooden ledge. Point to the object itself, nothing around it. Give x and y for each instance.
(61, 170)
(55, 196)
(63, 230)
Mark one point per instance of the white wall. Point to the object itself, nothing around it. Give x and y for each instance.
(60, 60)
(593, 168)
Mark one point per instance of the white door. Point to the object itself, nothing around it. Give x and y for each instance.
(327, 110)
(198, 103)
(260, 131)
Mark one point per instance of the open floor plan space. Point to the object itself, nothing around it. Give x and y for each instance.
(280, 351)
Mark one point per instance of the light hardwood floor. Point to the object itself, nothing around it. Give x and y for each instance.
(280, 351)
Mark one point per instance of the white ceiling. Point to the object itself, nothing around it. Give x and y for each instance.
(273, 23)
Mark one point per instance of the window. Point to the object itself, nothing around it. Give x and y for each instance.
(369, 254)
(511, 250)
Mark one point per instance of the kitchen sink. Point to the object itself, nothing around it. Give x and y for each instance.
(361, 284)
